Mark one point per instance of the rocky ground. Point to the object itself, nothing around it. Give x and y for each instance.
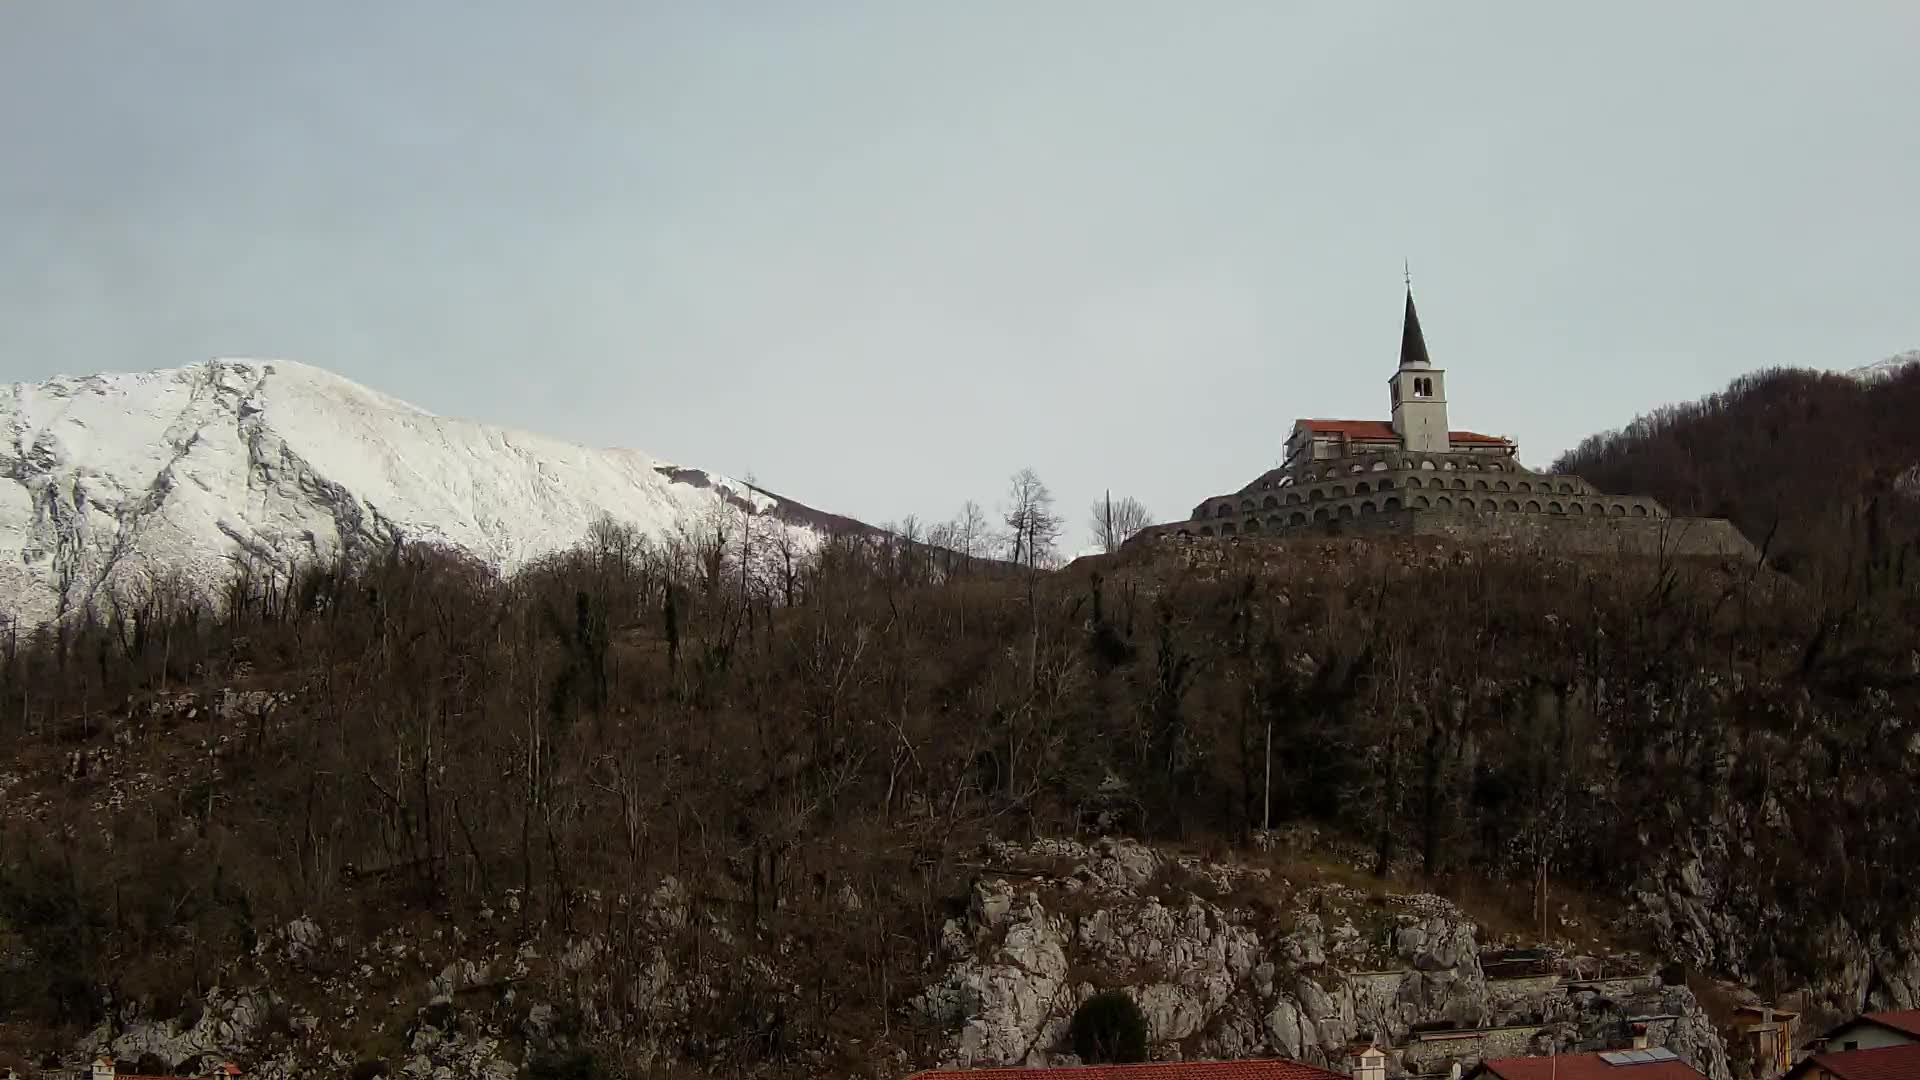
(1226, 959)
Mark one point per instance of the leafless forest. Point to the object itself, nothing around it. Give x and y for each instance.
(812, 744)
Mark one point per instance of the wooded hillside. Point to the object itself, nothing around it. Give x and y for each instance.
(418, 739)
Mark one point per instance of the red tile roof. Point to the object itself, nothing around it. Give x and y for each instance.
(1880, 1063)
(1382, 431)
(1271, 1069)
(1586, 1067)
(1907, 1020)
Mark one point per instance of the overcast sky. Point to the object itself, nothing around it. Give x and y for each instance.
(881, 255)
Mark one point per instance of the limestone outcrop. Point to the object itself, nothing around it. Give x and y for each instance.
(1225, 962)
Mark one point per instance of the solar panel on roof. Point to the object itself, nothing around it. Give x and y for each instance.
(1614, 1057)
(1661, 1053)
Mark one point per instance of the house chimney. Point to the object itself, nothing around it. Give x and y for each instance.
(1366, 1061)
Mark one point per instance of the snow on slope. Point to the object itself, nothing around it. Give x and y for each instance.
(106, 479)
(1885, 368)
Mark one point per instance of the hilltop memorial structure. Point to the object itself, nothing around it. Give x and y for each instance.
(1414, 474)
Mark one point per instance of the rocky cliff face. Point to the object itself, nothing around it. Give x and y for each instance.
(1225, 960)
(1228, 963)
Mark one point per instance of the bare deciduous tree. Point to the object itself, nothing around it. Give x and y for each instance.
(1032, 527)
(1114, 523)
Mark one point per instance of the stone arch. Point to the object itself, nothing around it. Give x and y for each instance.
(1502, 485)
(1496, 466)
(1223, 510)
(1269, 503)
(1554, 507)
(1368, 508)
(1346, 511)
(1274, 521)
(1316, 495)
(1426, 464)
(1466, 504)
(1566, 489)
(1443, 503)
(1226, 528)
(1448, 466)
(1578, 508)
(1459, 483)
(1413, 482)
(1253, 525)
(1356, 467)
(1246, 504)
(1619, 510)
(1511, 505)
(1420, 502)
(1524, 486)
(1339, 492)
(1533, 506)
(1361, 488)
(1380, 466)
(1206, 530)
(1293, 498)
(1321, 514)
(1639, 510)
(1392, 503)
(1386, 483)
(1297, 518)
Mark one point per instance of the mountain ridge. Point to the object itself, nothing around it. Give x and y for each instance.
(127, 477)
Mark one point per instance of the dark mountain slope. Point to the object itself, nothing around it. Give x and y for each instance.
(1819, 467)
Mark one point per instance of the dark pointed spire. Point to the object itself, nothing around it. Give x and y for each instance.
(1413, 344)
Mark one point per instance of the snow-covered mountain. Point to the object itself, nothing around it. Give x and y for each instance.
(107, 480)
(1885, 368)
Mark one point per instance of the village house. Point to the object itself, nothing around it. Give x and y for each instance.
(1871, 1031)
(1871, 1046)
(1653, 1063)
(1899, 1062)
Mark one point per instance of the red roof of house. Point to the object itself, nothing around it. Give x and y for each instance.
(1382, 431)
(1586, 1067)
(1907, 1020)
(1880, 1063)
(1270, 1069)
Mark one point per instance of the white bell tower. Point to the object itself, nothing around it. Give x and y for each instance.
(1419, 392)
